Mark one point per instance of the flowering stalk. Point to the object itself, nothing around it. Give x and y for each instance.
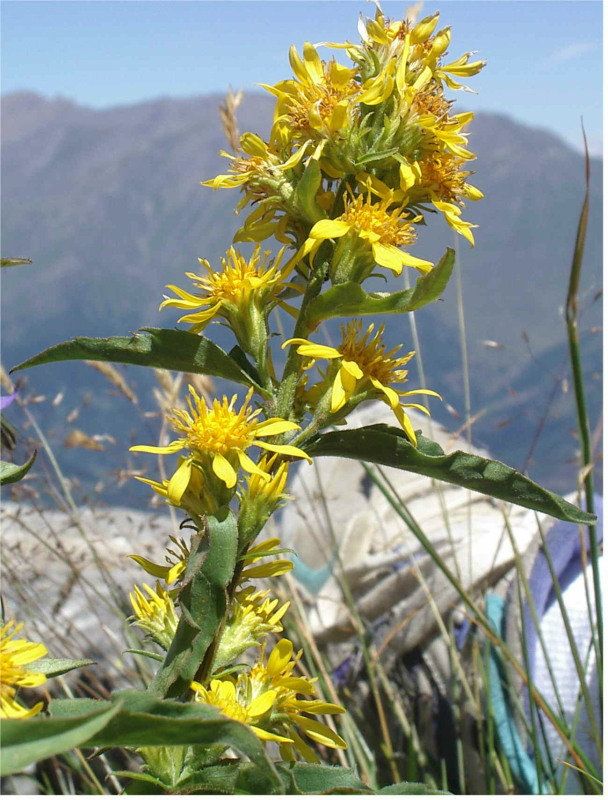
(357, 156)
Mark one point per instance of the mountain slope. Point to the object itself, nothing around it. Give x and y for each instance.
(108, 206)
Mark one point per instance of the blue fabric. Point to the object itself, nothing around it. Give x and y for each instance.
(522, 766)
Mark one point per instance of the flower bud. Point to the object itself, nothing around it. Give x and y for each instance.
(441, 43)
(424, 29)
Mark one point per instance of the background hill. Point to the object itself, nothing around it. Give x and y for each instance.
(108, 206)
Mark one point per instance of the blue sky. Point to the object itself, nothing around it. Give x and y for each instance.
(544, 56)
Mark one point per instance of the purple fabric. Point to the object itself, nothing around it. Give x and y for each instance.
(6, 400)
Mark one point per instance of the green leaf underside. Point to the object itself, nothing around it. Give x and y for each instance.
(52, 667)
(11, 473)
(410, 788)
(386, 445)
(157, 347)
(25, 741)
(322, 779)
(346, 299)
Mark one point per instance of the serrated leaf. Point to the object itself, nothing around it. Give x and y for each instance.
(52, 667)
(350, 299)
(25, 741)
(386, 445)
(156, 347)
(322, 779)
(14, 262)
(11, 473)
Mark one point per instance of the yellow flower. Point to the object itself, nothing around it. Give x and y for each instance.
(252, 616)
(14, 655)
(244, 292)
(196, 499)
(218, 437)
(364, 370)
(271, 569)
(176, 562)
(261, 497)
(315, 105)
(155, 613)
(371, 228)
(261, 168)
(265, 698)
(437, 177)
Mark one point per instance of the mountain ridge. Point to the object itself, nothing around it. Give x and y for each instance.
(107, 204)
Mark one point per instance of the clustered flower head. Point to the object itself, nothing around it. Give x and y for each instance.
(384, 122)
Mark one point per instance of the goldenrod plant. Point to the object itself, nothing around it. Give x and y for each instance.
(359, 154)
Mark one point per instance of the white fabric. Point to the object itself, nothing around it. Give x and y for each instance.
(553, 632)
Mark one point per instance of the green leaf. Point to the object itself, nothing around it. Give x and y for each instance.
(157, 347)
(215, 779)
(430, 287)
(25, 741)
(203, 604)
(350, 299)
(146, 654)
(14, 262)
(383, 444)
(409, 788)
(141, 783)
(52, 667)
(322, 779)
(145, 720)
(376, 156)
(240, 358)
(11, 473)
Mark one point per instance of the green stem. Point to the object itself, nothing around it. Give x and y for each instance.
(581, 407)
(291, 374)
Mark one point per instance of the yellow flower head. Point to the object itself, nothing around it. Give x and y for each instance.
(438, 178)
(363, 370)
(252, 615)
(217, 439)
(374, 233)
(14, 655)
(242, 291)
(265, 698)
(315, 105)
(155, 613)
